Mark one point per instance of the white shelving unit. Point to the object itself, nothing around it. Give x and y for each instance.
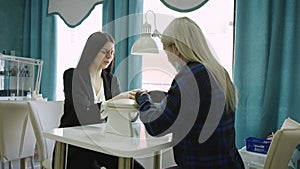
(18, 76)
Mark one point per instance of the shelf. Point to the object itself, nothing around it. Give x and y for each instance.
(19, 75)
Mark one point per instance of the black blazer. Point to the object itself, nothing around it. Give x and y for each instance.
(79, 107)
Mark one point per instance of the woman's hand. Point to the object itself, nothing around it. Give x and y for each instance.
(127, 95)
(143, 99)
(132, 93)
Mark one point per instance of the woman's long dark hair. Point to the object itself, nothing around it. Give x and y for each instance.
(94, 43)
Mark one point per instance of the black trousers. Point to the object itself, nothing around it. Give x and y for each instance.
(80, 158)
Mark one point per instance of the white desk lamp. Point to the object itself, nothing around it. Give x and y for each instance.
(146, 44)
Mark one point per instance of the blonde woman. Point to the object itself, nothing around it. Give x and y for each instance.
(199, 107)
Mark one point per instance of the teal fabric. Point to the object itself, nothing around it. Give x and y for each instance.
(266, 66)
(39, 42)
(11, 30)
(123, 19)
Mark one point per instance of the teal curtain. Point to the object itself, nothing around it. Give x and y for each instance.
(40, 43)
(123, 19)
(266, 65)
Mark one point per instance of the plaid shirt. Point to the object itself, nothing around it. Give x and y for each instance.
(184, 112)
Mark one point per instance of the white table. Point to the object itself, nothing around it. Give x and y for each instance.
(94, 137)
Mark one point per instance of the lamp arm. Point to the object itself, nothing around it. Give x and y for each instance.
(156, 32)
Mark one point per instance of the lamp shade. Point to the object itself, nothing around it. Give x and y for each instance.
(144, 45)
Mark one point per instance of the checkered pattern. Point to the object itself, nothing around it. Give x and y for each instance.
(184, 113)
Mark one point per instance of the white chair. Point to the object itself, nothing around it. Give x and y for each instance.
(280, 151)
(17, 141)
(45, 115)
(283, 145)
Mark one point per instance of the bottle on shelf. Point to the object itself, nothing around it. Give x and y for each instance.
(28, 96)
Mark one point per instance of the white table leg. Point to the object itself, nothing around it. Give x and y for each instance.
(157, 163)
(125, 163)
(60, 156)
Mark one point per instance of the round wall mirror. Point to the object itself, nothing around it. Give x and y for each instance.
(184, 6)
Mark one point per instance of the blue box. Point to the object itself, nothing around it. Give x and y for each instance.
(257, 145)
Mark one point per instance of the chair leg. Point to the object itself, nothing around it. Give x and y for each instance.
(23, 163)
(31, 161)
(2, 165)
(10, 165)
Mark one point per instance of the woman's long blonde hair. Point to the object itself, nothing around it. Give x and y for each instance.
(192, 45)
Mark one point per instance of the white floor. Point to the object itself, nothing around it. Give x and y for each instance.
(147, 161)
(16, 164)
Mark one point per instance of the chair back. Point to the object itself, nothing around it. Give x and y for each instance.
(17, 139)
(283, 145)
(44, 116)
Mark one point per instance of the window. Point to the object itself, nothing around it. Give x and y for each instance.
(215, 19)
(71, 42)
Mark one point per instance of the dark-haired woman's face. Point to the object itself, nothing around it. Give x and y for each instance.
(104, 56)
